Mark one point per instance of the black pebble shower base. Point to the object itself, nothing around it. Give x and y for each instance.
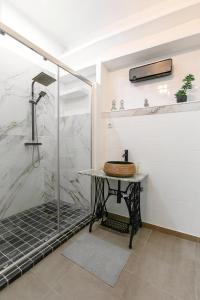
(20, 234)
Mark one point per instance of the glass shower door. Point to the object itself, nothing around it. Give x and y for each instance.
(45, 139)
(74, 150)
(28, 205)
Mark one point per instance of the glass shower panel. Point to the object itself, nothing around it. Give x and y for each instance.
(28, 209)
(75, 150)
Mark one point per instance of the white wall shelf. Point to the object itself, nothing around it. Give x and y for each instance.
(152, 110)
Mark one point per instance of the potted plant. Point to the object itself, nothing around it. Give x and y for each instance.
(181, 95)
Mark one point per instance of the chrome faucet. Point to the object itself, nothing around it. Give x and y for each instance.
(125, 155)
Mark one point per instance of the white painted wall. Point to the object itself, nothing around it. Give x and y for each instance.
(158, 91)
(167, 146)
(168, 149)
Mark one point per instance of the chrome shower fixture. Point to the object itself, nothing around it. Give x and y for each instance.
(44, 79)
(41, 94)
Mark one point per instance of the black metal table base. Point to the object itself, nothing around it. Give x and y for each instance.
(131, 196)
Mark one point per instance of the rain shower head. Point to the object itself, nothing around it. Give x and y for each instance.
(41, 94)
(44, 79)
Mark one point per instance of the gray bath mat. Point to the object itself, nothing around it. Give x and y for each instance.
(97, 256)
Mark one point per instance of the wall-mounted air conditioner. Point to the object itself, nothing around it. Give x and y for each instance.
(150, 71)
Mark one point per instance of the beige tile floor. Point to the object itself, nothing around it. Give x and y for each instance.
(160, 267)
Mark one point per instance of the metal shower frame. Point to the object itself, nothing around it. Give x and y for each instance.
(4, 29)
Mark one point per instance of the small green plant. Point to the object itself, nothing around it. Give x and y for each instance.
(187, 85)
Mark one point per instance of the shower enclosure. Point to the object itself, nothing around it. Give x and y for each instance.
(45, 139)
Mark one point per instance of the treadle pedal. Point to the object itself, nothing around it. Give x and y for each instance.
(116, 225)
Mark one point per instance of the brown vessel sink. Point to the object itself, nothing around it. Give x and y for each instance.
(119, 168)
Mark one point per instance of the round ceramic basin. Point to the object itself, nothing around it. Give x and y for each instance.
(119, 168)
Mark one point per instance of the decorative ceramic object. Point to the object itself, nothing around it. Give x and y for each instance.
(113, 108)
(121, 105)
(119, 169)
(146, 103)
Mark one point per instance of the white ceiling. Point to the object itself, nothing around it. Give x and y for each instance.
(75, 22)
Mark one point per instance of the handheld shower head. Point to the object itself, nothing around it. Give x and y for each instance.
(41, 94)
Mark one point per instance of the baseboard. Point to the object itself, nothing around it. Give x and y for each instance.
(172, 232)
(158, 228)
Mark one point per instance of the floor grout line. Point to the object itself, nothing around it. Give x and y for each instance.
(40, 225)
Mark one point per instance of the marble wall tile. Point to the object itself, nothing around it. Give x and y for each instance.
(21, 185)
(75, 155)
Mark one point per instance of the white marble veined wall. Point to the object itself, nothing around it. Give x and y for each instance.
(75, 155)
(21, 185)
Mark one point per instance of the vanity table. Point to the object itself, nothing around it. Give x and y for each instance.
(102, 191)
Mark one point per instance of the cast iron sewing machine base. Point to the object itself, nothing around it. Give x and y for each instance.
(131, 197)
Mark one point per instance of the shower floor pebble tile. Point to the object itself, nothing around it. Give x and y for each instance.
(23, 232)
